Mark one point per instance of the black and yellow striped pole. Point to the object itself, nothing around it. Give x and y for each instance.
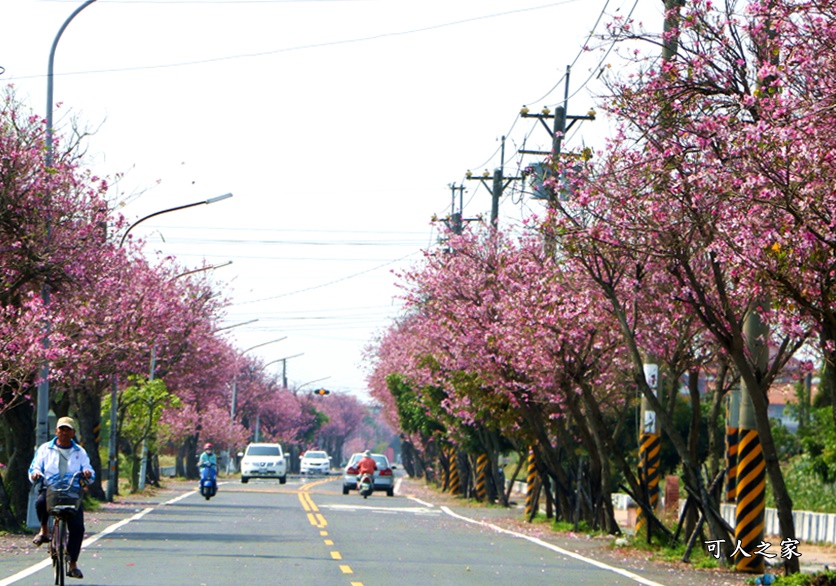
(481, 479)
(531, 485)
(455, 485)
(751, 466)
(732, 437)
(650, 453)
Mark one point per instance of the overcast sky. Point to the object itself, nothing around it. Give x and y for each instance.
(337, 125)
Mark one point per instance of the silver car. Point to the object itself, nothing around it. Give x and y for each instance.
(315, 462)
(384, 478)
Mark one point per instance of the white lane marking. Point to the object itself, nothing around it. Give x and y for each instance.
(374, 509)
(179, 498)
(84, 544)
(420, 502)
(89, 541)
(557, 549)
(27, 572)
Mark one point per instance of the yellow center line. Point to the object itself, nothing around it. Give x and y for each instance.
(316, 519)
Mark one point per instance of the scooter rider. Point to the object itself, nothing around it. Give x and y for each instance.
(208, 465)
(367, 465)
(208, 457)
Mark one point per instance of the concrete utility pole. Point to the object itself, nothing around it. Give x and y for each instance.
(456, 217)
(557, 131)
(498, 185)
(650, 448)
(751, 466)
(732, 440)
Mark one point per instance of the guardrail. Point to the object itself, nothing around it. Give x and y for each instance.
(809, 527)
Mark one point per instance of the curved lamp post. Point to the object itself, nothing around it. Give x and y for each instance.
(238, 325)
(174, 209)
(310, 382)
(257, 433)
(229, 465)
(112, 456)
(143, 464)
(235, 375)
(42, 408)
(49, 84)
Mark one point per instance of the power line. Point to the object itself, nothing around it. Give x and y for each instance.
(596, 71)
(556, 85)
(264, 242)
(578, 56)
(328, 284)
(312, 45)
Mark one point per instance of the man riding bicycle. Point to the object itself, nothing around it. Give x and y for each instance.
(57, 462)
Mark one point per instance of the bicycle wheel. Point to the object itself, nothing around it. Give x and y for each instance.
(58, 549)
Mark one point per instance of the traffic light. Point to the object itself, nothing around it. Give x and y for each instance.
(322, 392)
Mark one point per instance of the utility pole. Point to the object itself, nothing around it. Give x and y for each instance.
(456, 218)
(497, 187)
(562, 123)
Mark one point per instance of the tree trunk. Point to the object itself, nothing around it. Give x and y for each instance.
(20, 421)
(88, 410)
(600, 453)
(190, 455)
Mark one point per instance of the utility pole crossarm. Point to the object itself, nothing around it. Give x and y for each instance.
(543, 117)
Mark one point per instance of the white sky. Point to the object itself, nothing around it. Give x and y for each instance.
(337, 125)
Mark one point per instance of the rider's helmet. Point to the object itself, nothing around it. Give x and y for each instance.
(367, 453)
(207, 448)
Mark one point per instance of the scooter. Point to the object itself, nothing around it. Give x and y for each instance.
(365, 485)
(208, 483)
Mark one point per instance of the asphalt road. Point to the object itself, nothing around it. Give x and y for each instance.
(308, 532)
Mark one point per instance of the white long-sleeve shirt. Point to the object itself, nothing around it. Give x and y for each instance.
(48, 461)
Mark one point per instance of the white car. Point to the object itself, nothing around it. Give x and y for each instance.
(263, 461)
(314, 461)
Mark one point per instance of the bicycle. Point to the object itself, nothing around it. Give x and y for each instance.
(62, 503)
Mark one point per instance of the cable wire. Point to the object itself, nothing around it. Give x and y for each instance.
(578, 56)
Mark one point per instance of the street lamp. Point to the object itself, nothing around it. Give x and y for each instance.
(310, 382)
(49, 84)
(284, 360)
(174, 209)
(201, 269)
(238, 325)
(235, 374)
(143, 465)
(112, 456)
(235, 394)
(42, 409)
